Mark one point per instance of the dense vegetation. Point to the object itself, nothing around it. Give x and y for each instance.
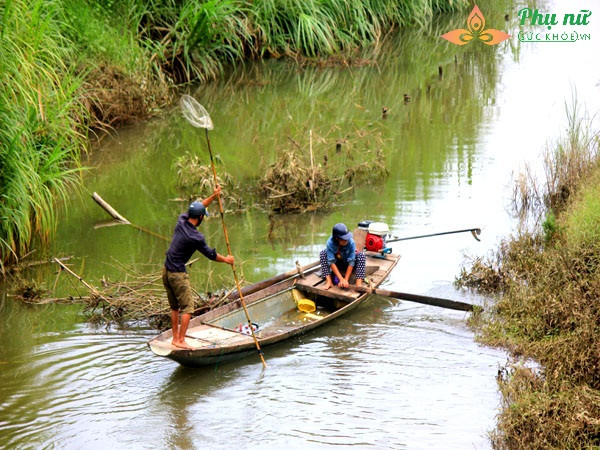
(70, 67)
(549, 310)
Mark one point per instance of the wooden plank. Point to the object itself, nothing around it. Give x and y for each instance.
(335, 293)
(310, 280)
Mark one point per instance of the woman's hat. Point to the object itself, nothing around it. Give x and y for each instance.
(341, 231)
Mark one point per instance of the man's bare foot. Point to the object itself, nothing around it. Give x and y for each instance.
(328, 285)
(182, 345)
(359, 282)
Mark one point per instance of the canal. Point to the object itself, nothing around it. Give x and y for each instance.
(462, 123)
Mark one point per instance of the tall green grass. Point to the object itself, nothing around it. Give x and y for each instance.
(58, 64)
(40, 141)
(195, 40)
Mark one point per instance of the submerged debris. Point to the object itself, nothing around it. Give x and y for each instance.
(29, 291)
(289, 186)
(139, 297)
(142, 298)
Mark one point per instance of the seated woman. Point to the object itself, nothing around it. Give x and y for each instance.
(340, 259)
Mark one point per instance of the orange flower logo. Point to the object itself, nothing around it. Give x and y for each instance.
(476, 30)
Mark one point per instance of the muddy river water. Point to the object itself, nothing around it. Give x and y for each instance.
(388, 375)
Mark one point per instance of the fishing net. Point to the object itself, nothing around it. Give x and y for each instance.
(195, 113)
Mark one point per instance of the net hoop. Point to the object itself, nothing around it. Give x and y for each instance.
(195, 113)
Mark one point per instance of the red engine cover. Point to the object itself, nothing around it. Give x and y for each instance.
(374, 243)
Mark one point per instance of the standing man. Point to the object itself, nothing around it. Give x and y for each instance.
(186, 240)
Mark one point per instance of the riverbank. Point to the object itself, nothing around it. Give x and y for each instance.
(547, 281)
(69, 69)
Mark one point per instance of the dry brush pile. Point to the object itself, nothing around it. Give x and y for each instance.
(316, 175)
(138, 297)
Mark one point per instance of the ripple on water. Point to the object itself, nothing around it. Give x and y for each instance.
(61, 381)
(384, 376)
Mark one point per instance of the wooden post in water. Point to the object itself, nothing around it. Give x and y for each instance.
(109, 209)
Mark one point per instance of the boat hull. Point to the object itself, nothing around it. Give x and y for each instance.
(215, 337)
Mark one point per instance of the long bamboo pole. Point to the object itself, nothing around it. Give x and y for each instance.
(237, 281)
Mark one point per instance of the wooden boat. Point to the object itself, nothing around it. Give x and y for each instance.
(213, 335)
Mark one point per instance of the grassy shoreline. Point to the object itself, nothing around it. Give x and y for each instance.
(547, 310)
(70, 68)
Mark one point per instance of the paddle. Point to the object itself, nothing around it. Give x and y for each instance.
(198, 117)
(474, 231)
(426, 300)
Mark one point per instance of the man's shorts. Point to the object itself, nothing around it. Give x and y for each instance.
(179, 291)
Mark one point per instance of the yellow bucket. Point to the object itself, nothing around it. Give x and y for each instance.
(306, 305)
(303, 304)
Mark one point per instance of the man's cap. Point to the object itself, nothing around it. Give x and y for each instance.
(340, 230)
(197, 209)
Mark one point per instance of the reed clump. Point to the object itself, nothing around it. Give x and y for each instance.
(317, 175)
(41, 137)
(196, 181)
(58, 77)
(547, 281)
